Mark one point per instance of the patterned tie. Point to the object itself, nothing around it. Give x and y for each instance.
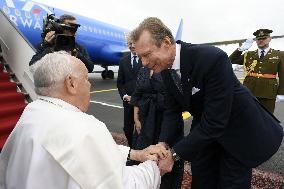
(134, 63)
(262, 54)
(176, 79)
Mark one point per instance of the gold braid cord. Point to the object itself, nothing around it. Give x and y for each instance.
(250, 68)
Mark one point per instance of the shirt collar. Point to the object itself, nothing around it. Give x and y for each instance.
(132, 55)
(176, 63)
(60, 103)
(265, 50)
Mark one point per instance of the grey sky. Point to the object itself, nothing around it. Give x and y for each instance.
(204, 20)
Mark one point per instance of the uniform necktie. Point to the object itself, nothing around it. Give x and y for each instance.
(134, 63)
(262, 54)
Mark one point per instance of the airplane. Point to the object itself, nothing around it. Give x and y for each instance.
(104, 42)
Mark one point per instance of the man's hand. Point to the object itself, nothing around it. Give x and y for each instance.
(246, 45)
(166, 165)
(153, 152)
(127, 98)
(163, 144)
(50, 36)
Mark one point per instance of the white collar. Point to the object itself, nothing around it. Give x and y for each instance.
(176, 63)
(59, 103)
(132, 55)
(265, 50)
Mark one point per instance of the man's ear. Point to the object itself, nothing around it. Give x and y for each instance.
(71, 84)
(167, 41)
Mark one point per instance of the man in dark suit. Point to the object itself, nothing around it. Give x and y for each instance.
(129, 66)
(229, 125)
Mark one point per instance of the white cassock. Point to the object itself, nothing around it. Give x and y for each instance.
(56, 146)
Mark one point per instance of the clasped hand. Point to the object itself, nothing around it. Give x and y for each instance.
(158, 153)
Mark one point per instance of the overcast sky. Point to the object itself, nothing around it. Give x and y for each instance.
(204, 20)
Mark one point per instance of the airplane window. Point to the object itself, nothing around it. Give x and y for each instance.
(85, 28)
(90, 29)
(95, 30)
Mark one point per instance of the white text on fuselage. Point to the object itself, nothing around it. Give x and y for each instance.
(24, 18)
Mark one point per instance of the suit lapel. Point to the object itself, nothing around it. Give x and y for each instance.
(186, 56)
(138, 66)
(129, 67)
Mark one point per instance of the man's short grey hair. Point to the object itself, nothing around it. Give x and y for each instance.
(157, 29)
(51, 72)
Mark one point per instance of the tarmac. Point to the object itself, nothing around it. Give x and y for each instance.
(106, 106)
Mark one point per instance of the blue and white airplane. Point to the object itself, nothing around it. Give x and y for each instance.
(105, 43)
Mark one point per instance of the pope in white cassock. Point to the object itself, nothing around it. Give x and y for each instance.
(55, 145)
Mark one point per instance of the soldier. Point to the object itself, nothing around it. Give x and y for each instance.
(262, 67)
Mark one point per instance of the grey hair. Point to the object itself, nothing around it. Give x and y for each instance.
(51, 72)
(157, 29)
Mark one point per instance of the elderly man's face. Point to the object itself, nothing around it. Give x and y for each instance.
(153, 57)
(83, 87)
(263, 43)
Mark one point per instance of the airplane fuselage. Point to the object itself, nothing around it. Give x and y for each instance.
(104, 42)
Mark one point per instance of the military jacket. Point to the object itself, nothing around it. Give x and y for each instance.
(272, 63)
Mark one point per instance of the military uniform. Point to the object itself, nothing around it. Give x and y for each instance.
(261, 74)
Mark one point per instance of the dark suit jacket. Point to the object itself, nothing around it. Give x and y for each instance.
(223, 110)
(126, 79)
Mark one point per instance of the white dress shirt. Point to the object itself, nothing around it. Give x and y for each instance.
(176, 63)
(55, 145)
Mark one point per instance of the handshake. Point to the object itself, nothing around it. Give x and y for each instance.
(158, 153)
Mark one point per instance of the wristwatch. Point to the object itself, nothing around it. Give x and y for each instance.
(174, 155)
